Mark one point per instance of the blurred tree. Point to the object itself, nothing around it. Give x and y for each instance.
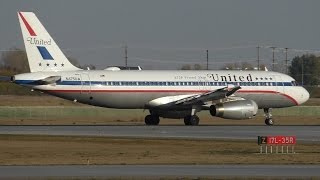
(186, 67)
(242, 66)
(74, 62)
(77, 64)
(90, 66)
(197, 67)
(306, 69)
(15, 60)
(189, 67)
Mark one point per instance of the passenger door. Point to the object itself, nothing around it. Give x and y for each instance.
(279, 85)
(85, 83)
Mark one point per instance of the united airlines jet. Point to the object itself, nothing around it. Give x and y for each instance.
(176, 94)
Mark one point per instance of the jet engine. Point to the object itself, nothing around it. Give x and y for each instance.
(241, 109)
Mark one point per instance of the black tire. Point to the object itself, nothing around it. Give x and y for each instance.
(269, 121)
(194, 120)
(148, 120)
(155, 120)
(152, 120)
(187, 120)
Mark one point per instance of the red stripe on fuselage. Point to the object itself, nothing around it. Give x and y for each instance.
(173, 91)
(270, 92)
(31, 31)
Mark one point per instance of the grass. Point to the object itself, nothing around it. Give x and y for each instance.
(63, 150)
(48, 110)
(47, 100)
(87, 115)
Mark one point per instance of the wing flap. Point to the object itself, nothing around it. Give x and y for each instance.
(209, 96)
(190, 100)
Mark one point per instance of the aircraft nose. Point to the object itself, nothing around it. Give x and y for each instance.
(303, 96)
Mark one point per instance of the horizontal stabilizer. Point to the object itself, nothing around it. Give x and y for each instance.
(46, 81)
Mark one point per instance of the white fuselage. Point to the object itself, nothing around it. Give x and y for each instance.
(135, 89)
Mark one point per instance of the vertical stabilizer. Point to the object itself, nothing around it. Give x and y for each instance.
(42, 51)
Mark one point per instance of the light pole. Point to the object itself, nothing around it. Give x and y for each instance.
(207, 59)
(273, 48)
(286, 60)
(258, 56)
(126, 55)
(301, 71)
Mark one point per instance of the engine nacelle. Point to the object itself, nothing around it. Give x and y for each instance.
(241, 109)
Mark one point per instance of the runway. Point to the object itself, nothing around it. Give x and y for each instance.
(161, 171)
(303, 133)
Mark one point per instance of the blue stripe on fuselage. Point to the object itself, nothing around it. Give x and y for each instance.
(146, 83)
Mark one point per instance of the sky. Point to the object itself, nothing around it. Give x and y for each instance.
(167, 34)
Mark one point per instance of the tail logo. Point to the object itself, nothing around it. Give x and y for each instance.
(33, 40)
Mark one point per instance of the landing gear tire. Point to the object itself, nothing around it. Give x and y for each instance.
(191, 120)
(187, 120)
(267, 112)
(152, 120)
(269, 122)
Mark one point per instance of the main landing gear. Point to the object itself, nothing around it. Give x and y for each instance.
(152, 120)
(268, 115)
(191, 120)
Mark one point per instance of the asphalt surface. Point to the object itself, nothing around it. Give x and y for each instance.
(160, 170)
(303, 133)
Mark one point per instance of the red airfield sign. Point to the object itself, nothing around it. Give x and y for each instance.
(277, 140)
(281, 140)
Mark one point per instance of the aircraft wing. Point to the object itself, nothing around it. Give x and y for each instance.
(209, 96)
(196, 99)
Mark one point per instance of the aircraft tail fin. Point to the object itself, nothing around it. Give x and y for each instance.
(42, 51)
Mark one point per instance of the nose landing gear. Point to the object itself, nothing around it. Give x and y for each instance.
(267, 112)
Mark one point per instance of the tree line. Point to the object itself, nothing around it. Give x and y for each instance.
(305, 69)
(15, 61)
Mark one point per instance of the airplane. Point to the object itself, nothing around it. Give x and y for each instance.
(176, 94)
